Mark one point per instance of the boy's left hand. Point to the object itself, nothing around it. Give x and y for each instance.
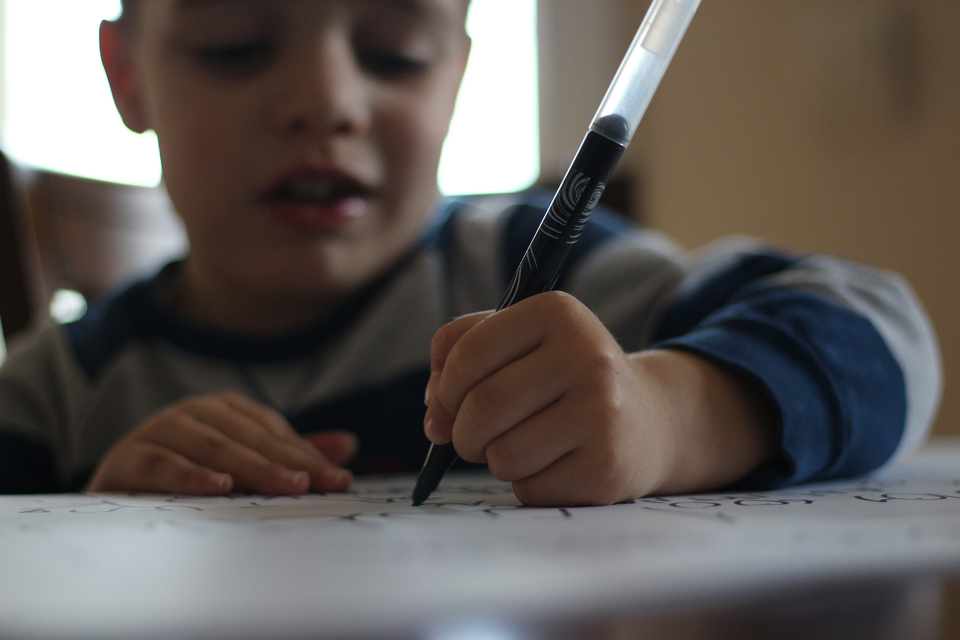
(543, 394)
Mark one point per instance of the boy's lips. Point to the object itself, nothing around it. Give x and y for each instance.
(318, 199)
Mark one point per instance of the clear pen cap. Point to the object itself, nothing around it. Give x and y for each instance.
(642, 68)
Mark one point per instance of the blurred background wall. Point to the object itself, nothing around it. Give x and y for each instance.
(826, 125)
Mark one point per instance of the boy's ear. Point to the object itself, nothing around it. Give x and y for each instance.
(117, 57)
(465, 55)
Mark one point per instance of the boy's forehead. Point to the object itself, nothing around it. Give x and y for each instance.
(441, 15)
(425, 8)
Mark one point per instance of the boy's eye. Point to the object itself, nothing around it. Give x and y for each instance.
(237, 59)
(394, 66)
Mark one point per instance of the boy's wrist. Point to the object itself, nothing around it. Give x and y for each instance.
(719, 425)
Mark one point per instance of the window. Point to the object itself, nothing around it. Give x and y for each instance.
(494, 142)
(56, 110)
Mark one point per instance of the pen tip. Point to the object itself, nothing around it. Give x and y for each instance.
(420, 493)
(439, 459)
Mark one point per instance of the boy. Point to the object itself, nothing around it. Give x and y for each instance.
(306, 327)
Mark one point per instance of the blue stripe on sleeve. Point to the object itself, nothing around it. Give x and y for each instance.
(840, 393)
(714, 292)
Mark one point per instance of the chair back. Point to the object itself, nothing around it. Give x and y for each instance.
(64, 232)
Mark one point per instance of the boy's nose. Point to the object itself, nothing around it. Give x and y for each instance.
(324, 94)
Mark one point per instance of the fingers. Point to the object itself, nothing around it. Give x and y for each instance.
(263, 415)
(443, 341)
(468, 350)
(574, 480)
(144, 466)
(532, 446)
(339, 447)
(261, 445)
(209, 447)
(504, 400)
(544, 395)
(220, 443)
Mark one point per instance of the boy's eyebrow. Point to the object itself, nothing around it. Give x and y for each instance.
(428, 10)
(418, 7)
(187, 4)
(193, 4)
(424, 9)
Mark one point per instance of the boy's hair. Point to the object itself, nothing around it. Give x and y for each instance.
(128, 10)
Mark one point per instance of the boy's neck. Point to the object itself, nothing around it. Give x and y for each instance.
(246, 313)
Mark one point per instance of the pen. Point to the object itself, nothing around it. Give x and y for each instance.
(609, 134)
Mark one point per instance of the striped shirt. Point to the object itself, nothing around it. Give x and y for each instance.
(844, 352)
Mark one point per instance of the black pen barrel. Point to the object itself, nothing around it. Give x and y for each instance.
(565, 218)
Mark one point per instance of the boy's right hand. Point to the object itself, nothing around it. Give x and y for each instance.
(215, 444)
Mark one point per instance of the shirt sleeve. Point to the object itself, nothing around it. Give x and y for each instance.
(844, 352)
(31, 417)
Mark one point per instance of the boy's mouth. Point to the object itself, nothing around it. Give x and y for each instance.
(313, 192)
(318, 200)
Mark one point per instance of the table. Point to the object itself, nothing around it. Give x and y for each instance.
(872, 557)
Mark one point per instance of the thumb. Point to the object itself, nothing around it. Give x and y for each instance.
(443, 341)
(339, 447)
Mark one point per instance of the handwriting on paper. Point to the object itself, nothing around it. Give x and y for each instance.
(375, 501)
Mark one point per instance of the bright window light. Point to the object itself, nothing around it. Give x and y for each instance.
(57, 111)
(494, 144)
(67, 305)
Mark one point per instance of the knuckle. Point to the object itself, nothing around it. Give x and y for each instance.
(256, 439)
(271, 469)
(531, 493)
(231, 396)
(448, 337)
(466, 445)
(500, 460)
(608, 478)
(213, 443)
(603, 413)
(279, 426)
(606, 401)
(195, 405)
(561, 306)
(603, 364)
(225, 399)
(160, 421)
(191, 477)
(468, 452)
(557, 300)
(462, 360)
(152, 461)
(476, 404)
(441, 338)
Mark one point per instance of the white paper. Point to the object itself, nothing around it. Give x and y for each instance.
(367, 563)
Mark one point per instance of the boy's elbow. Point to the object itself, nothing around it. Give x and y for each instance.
(915, 346)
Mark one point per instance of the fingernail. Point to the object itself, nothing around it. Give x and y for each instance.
(298, 478)
(432, 430)
(223, 481)
(337, 476)
(431, 386)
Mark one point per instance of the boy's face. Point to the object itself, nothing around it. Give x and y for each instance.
(300, 138)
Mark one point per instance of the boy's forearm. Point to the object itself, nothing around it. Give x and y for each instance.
(720, 425)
